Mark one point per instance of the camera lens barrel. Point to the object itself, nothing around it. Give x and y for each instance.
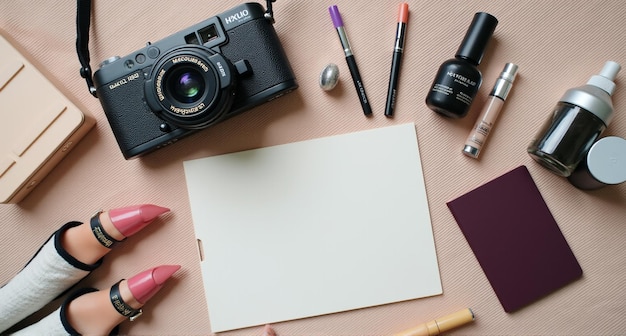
(191, 87)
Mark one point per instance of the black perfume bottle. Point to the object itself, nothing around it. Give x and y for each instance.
(459, 79)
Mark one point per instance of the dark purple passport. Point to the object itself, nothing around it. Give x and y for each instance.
(515, 239)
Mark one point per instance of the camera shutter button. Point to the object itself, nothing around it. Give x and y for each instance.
(153, 52)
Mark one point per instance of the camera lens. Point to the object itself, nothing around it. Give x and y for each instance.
(190, 87)
(186, 85)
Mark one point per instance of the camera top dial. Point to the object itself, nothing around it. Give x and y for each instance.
(191, 87)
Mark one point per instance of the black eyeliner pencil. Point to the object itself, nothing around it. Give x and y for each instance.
(398, 50)
(354, 70)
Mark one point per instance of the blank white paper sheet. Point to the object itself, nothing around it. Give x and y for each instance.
(313, 227)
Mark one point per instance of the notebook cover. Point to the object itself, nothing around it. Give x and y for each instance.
(515, 239)
(41, 132)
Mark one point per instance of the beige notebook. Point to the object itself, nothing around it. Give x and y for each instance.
(313, 227)
(40, 124)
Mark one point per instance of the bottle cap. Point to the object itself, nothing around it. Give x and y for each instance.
(605, 79)
(595, 97)
(605, 164)
(503, 84)
(478, 34)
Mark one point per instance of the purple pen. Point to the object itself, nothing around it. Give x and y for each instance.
(354, 70)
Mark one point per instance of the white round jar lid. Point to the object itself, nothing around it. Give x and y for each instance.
(606, 160)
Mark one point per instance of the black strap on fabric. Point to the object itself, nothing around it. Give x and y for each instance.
(83, 20)
(269, 12)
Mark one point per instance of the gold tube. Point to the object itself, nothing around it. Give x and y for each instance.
(440, 325)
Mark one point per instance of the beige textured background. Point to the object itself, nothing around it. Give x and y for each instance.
(557, 44)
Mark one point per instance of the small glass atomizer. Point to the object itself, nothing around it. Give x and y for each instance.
(477, 138)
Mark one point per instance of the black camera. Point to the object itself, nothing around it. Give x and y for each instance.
(193, 79)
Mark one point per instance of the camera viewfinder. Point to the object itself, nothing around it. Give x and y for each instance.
(208, 33)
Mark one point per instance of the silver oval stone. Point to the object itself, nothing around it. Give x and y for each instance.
(329, 77)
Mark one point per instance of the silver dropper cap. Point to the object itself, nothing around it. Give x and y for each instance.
(505, 81)
(595, 97)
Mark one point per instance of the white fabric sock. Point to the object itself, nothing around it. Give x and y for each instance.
(55, 324)
(50, 325)
(51, 272)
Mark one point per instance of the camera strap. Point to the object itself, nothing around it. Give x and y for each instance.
(83, 20)
(269, 12)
